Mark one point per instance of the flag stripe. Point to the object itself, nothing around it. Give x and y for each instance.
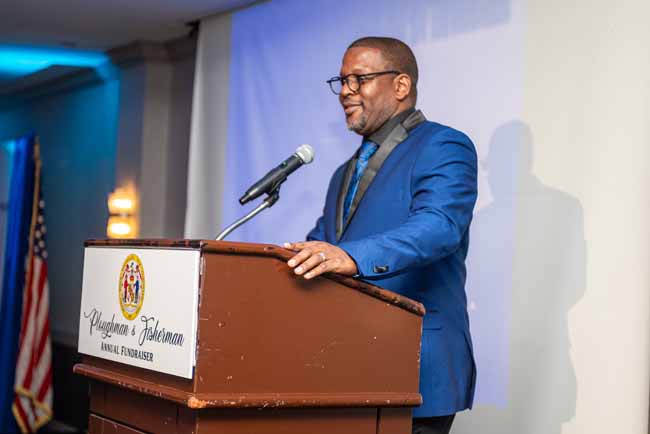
(24, 366)
(47, 383)
(45, 337)
(43, 309)
(41, 371)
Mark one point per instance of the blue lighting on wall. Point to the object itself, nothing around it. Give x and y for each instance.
(8, 146)
(18, 60)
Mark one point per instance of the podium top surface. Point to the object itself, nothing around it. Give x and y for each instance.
(268, 250)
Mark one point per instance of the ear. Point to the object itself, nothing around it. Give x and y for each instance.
(402, 85)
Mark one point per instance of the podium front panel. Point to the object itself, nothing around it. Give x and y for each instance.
(139, 307)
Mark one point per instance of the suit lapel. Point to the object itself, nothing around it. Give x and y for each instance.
(396, 136)
(416, 118)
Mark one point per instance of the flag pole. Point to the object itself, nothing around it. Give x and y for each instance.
(35, 199)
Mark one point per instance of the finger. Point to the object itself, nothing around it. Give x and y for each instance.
(300, 245)
(293, 246)
(299, 258)
(310, 263)
(323, 267)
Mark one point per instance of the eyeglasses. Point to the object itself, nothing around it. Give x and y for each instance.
(354, 81)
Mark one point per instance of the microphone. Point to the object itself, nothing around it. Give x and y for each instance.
(272, 180)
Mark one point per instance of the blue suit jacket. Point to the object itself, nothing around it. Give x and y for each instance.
(408, 232)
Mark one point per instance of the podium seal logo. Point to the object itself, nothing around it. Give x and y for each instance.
(131, 287)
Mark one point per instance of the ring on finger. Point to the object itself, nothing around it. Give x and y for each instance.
(322, 256)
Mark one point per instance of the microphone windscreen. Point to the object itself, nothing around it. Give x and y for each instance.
(306, 153)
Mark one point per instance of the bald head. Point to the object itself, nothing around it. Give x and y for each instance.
(397, 54)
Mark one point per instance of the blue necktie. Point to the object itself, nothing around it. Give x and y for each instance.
(367, 150)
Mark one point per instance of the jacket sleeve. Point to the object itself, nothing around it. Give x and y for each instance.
(318, 233)
(443, 194)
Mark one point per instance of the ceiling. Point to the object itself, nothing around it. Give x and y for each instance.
(102, 24)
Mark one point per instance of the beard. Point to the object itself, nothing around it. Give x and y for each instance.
(359, 125)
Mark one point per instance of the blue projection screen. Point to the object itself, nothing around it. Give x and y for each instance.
(470, 59)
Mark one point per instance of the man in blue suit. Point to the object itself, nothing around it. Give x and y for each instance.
(397, 214)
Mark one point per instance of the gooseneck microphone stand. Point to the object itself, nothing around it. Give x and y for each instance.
(270, 200)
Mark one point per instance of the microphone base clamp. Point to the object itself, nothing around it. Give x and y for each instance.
(270, 200)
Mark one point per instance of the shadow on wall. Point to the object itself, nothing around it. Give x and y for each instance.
(527, 269)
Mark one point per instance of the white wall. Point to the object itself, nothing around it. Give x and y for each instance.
(209, 130)
(588, 102)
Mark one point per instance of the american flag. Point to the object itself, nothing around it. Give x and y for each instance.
(32, 405)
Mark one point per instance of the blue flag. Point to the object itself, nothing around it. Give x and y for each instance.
(21, 193)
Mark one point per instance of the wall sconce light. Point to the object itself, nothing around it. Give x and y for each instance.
(122, 205)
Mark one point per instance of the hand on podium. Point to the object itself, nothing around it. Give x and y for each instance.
(316, 257)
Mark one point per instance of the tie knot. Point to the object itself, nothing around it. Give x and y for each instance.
(367, 150)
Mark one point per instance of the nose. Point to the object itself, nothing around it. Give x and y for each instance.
(345, 90)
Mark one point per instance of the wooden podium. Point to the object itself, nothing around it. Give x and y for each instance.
(275, 354)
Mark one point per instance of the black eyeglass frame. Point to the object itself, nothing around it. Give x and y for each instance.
(360, 79)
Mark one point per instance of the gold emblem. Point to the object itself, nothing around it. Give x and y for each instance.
(131, 287)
